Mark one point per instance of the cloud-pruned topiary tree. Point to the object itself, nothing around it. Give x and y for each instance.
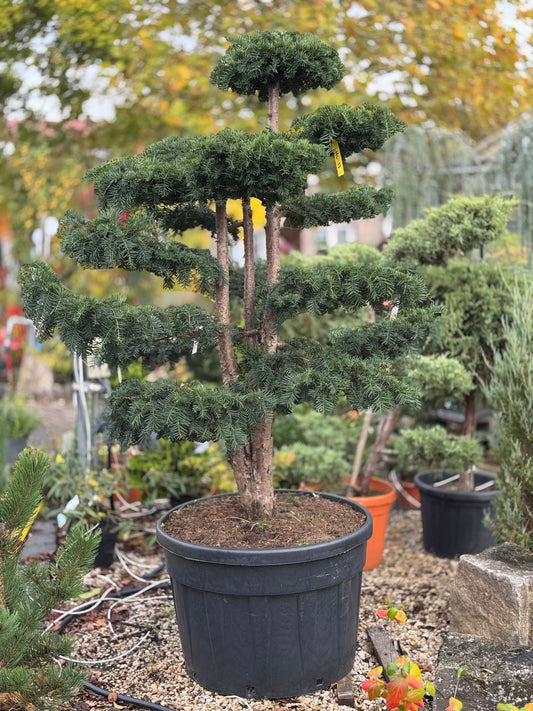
(446, 248)
(147, 201)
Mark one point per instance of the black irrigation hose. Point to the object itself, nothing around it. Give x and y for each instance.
(125, 592)
(125, 699)
(153, 573)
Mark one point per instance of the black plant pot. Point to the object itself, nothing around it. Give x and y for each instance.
(15, 447)
(105, 554)
(269, 623)
(181, 499)
(455, 522)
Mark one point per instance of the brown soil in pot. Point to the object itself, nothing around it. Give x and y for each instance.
(297, 520)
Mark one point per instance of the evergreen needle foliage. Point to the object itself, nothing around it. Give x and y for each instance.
(296, 62)
(443, 248)
(511, 392)
(148, 200)
(30, 675)
(446, 248)
(454, 229)
(434, 448)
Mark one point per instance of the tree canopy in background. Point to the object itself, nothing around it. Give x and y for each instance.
(458, 64)
(455, 65)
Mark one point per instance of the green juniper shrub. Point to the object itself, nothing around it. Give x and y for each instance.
(311, 449)
(511, 393)
(445, 248)
(174, 469)
(302, 466)
(441, 381)
(432, 448)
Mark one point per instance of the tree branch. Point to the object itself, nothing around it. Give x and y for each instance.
(273, 106)
(228, 361)
(249, 269)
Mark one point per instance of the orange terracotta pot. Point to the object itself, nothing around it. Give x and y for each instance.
(128, 499)
(378, 503)
(410, 488)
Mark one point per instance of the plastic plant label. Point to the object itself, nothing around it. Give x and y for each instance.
(338, 157)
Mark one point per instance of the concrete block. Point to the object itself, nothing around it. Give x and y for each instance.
(36, 378)
(492, 596)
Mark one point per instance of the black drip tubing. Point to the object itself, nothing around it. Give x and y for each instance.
(125, 699)
(103, 692)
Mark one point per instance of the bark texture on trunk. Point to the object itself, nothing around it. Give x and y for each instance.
(252, 468)
(249, 266)
(272, 233)
(466, 479)
(269, 334)
(252, 464)
(469, 425)
(228, 362)
(273, 106)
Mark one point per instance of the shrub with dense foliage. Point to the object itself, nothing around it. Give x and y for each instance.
(511, 393)
(30, 674)
(147, 201)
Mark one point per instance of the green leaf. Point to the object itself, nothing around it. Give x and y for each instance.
(89, 594)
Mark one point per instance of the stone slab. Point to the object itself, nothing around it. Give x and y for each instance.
(345, 692)
(494, 674)
(492, 596)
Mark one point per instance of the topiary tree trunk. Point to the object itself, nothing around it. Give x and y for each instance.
(147, 202)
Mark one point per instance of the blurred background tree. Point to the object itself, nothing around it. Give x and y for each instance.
(459, 66)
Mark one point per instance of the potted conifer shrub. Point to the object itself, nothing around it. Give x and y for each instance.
(435, 377)
(440, 380)
(243, 608)
(453, 521)
(446, 247)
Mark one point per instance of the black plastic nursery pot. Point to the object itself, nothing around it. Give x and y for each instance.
(14, 448)
(271, 623)
(454, 522)
(105, 554)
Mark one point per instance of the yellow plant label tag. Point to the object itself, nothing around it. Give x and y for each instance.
(338, 157)
(25, 532)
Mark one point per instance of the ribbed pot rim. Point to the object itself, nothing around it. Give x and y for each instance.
(384, 494)
(424, 482)
(267, 556)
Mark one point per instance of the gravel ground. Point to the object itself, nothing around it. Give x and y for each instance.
(154, 671)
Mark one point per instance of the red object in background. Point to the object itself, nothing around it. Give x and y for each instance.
(14, 310)
(11, 347)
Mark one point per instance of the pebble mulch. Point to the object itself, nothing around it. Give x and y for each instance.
(154, 671)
